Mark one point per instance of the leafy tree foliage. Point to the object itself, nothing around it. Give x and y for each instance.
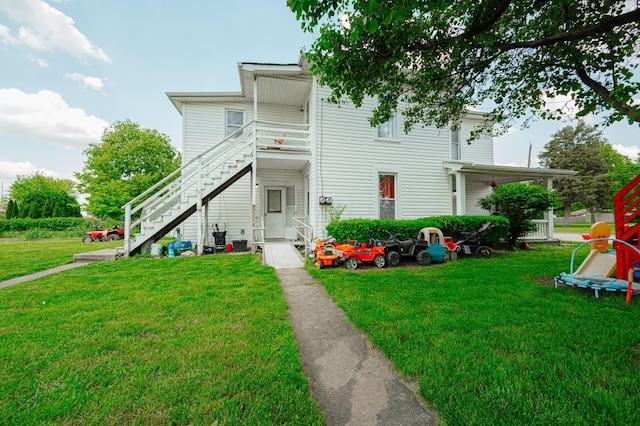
(32, 193)
(128, 160)
(440, 57)
(622, 169)
(581, 149)
(520, 203)
(12, 210)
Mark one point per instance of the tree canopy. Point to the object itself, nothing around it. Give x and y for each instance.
(128, 160)
(580, 148)
(37, 196)
(441, 57)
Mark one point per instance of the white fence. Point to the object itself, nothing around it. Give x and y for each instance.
(541, 232)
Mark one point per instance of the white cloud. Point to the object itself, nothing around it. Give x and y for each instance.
(45, 116)
(5, 35)
(629, 151)
(94, 83)
(9, 170)
(41, 62)
(43, 27)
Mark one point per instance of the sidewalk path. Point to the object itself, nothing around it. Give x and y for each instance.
(352, 382)
(41, 274)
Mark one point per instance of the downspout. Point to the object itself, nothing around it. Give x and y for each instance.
(254, 163)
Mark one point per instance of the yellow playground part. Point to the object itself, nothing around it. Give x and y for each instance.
(598, 263)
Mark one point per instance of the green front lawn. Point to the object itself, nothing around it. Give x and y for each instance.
(22, 257)
(578, 228)
(492, 342)
(152, 341)
(206, 340)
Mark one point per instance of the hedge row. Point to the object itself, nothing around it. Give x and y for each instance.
(454, 226)
(51, 224)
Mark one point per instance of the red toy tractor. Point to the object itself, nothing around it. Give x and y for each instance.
(111, 234)
(372, 251)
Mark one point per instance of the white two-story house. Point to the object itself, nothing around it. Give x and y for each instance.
(269, 161)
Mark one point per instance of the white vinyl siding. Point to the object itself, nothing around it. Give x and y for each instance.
(349, 161)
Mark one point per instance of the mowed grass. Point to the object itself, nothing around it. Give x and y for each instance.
(578, 228)
(152, 341)
(492, 342)
(22, 257)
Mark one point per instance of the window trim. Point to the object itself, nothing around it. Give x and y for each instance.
(394, 137)
(379, 198)
(458, 145)
(226, 121)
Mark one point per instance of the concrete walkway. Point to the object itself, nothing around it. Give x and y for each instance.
(41, 274)
(352, 381)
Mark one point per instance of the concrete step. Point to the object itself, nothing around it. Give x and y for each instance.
(104, 254)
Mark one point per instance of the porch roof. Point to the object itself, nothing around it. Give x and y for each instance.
(503, 174)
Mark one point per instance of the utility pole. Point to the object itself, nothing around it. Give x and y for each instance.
(529, 160)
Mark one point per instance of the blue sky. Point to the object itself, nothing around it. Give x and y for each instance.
(72, 67)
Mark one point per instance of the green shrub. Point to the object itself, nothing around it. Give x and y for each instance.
(454, 226)
(75, 226)
(37, 234)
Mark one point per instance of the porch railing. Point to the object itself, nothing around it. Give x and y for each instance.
(258, 232)
(302, 230)
(282, 136)
(540, 233)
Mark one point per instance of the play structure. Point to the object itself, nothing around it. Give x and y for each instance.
(597, 270)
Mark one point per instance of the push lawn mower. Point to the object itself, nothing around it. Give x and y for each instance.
(471, 242)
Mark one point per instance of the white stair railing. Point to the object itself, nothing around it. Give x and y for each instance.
(181, 189)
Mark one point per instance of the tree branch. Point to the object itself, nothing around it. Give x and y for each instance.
(607, 24)
(605, 94)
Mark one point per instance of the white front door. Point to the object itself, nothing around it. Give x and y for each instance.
(274, 212)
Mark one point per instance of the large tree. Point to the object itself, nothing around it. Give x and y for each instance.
(31, 193)
(128, 160)
(580, 148)
(440, 57)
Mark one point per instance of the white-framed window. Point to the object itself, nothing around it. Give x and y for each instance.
(455, 144)
(234, 121)
(387, 195)
(387, 130)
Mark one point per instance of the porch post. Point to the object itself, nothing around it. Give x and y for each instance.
(199, 206)
(127, 230)
(254, 164)
(206, 225)
(461, 194)
(549, 214)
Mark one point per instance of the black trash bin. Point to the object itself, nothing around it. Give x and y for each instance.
(239, 245)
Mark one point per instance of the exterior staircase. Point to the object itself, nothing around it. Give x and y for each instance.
(168, 203)
(626, 211)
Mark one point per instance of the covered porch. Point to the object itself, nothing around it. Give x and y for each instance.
(472, 181)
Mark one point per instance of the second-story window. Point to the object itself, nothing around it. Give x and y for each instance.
(387, 130)
(234, 121)
(455, 144)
